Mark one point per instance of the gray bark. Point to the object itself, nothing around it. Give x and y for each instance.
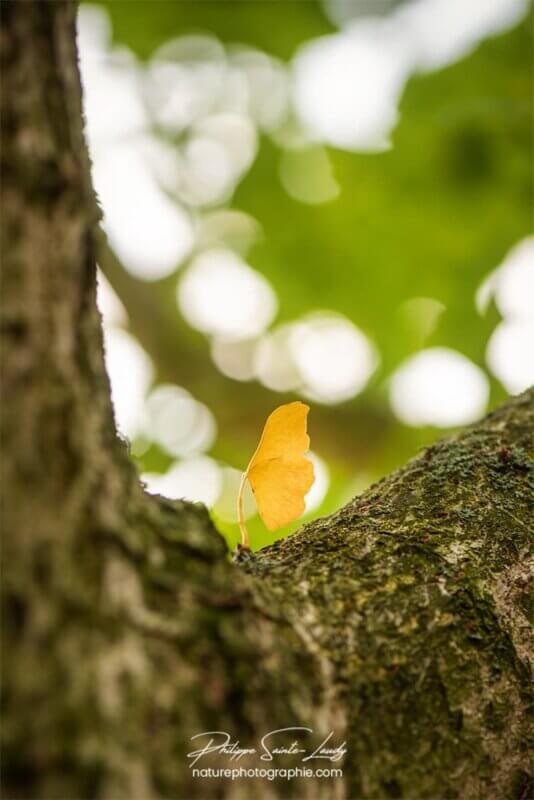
(400, 623)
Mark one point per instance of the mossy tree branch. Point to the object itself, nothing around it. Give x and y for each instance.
(400, 622)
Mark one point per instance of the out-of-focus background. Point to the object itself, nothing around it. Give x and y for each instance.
(317, 199)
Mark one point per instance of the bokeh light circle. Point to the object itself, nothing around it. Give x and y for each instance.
(439, 387)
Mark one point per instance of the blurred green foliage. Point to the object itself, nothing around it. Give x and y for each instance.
(431, 217)
(275, 27)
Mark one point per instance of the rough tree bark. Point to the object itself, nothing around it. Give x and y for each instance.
(400, 622)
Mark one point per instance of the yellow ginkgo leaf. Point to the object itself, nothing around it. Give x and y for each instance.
(279, 474)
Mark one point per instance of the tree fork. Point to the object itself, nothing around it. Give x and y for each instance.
(400, 622)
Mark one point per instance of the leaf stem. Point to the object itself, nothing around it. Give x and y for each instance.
(241, 513)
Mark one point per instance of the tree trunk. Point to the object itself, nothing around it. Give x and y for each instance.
(399, 623)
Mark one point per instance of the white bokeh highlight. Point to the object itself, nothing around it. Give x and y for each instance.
(333, 357)
(438, 387)
(198, 480)
(110, 80)
(510, 354)
(274, 365)
(347, 85)
(185, 78)
(108, 302)
(319, 488)
(131, 373)
(219, 150)
(149, 233)
(220, 294)
(514, 289)
(511, 284)
(443, 31)
(226, 506)
(510, 349)
(235, 358)
(177, 422)
(323, 356)
(267, 86)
